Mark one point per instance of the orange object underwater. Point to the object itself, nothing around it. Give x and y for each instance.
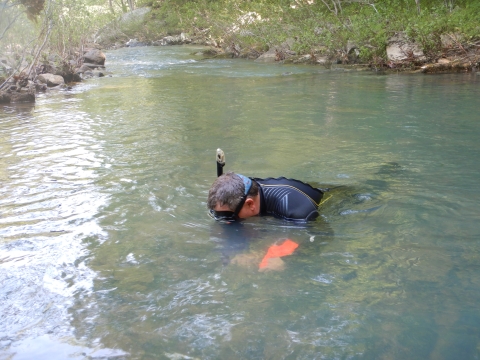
(286, 248)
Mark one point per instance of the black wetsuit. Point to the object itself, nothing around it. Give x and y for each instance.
(288, 199)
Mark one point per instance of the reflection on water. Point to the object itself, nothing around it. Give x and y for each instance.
(107, 250)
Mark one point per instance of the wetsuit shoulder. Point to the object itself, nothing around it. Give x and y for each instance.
(289, 198)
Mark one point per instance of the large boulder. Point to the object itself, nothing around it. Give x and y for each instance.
(400, 48)
(94, 56)
(51, 80)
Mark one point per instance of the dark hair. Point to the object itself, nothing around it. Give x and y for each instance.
(229, 190)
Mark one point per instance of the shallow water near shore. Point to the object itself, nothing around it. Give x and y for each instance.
(106, 249)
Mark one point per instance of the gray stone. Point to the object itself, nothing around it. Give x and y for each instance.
(50, 79)
(82, 69)
(175, 40)
(134, 43)
(94, 56)
(185, 38)
(87, 67)
(59, 87)
(399, 48)
(87, 74)
(268, 57)
(351, 46)
(323, 60)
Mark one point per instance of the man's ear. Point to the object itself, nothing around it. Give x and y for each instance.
(249, 202)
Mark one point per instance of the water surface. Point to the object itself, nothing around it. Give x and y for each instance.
(107, 251)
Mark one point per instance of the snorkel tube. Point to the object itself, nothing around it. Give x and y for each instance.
(220, 158)
(227, 215)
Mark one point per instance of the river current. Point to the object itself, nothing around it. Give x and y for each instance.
(107, 251)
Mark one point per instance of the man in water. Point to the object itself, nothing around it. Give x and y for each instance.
(233, 197)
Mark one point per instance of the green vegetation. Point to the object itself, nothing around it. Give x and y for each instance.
(33, 31)
(326, 27)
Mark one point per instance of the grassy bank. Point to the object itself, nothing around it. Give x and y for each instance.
(329, 28)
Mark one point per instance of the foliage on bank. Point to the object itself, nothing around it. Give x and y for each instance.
(326, 27)
(37, 31)
(57, 34)
(46, 36)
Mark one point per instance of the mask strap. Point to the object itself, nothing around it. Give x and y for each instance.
(248, 184)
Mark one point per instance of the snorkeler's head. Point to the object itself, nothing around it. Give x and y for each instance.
(229, 192)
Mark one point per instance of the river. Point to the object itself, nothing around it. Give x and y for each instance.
(106, 249)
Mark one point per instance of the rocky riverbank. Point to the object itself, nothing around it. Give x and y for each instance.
(402, 54)
(454, 54)
(52, 74)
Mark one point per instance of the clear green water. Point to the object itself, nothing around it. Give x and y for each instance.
(107, 251)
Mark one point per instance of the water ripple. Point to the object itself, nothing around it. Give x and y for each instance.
(48, 207)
